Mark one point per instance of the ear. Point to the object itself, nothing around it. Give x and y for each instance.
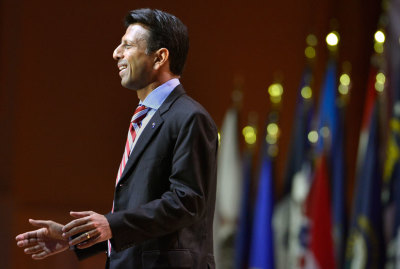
(161, 58)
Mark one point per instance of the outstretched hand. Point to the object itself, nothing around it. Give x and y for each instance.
(43, 242)
(92, 228)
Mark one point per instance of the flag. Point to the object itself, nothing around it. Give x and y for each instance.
(338, 176)
(299, 144)
(261, 246)
(330, 177)
(365, 247)
(327, 114)
(391, 192)
(229, 183)
(319, 211)
(392, 50)
(288, 216)
(368, 108)
(281, 224)
(242, 242)
(291, 224)
(331, 119)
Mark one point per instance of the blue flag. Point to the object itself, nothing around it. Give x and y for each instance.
(396, 230)
(391, 191)
(261, 246)
(327, 114)
(299, 144)
(331, 119)
(365, 248)
(338, 176)
(242, 243)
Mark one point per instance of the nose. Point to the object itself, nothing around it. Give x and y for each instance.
(117, 53)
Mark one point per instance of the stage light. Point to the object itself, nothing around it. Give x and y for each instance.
(310, 52)
(275, 90)
(306, 92)
(325, 132)
(273, 129)
(378, 47)
(379, 36)
(249, 134)
(332, 39)
(271, 139)
(313, 137)
(380, 82)
(345, 79)
(380, 77)
(311, 40)
(343, 89)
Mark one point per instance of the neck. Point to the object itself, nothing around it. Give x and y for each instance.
(143, 93)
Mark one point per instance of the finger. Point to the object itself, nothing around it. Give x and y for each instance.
(75, 223)
(21, 236)
(80, 214)
(33, 250)
(27, 242)
(27, 235)
(89, 243)
(39, 223)
(77, 230)
(40, 256)
(83, 238)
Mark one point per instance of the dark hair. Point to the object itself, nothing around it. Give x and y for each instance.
(166, 31)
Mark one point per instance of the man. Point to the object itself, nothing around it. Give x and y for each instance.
(165, 192)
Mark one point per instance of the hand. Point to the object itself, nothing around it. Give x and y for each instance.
(94, 228)
(43, 242)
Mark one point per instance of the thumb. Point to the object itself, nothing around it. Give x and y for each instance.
(80, 214)
(39, 223)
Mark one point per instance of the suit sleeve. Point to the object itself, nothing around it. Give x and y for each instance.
(186, 201)
(88, 252)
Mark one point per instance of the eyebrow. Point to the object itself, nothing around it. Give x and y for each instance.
(125, 40)
(135, 41)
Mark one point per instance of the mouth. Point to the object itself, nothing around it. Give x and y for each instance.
(122, 68)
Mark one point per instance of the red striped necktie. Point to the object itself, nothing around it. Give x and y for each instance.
(136, 123)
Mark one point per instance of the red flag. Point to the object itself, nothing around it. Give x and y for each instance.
(319, 208)
(369, 98)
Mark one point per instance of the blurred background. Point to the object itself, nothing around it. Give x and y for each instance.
(304, 94)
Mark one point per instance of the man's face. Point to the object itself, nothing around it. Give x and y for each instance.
(136, 67)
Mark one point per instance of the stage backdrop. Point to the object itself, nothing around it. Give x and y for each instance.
(64, 115)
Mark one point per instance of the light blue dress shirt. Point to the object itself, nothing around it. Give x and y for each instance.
(154, 100)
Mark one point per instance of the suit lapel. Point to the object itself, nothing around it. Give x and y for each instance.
(151, 130)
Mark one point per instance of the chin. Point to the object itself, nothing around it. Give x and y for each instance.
(129, 86)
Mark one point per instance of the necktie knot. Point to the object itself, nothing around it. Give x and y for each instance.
(140, 114)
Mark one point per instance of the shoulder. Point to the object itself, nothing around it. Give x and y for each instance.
(186, 109)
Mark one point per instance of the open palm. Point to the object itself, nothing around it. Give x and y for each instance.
(43, 242)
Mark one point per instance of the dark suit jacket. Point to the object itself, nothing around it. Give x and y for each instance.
(164, 201)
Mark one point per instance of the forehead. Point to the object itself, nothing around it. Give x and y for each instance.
(136, 33)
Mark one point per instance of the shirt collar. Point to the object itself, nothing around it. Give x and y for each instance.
(155, 99)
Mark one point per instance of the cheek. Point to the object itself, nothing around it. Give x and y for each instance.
(132, 68)
(134, 63)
